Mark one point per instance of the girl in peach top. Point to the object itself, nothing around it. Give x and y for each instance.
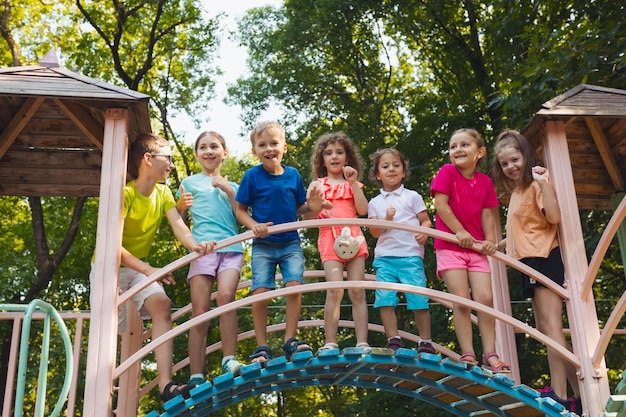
(531, 229)
(337, 167)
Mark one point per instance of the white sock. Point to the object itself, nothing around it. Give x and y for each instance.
(226, 358)
(393, 337)
(426, 340)
(196, 376)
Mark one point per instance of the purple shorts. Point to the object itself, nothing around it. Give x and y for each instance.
(214, 263)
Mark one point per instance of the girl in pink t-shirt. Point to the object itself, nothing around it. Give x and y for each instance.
(464, 199)
(337, 167)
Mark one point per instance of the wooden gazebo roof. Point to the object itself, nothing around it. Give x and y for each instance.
(52, 128)
(595, 126)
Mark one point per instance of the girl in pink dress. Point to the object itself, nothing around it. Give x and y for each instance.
(337, 167)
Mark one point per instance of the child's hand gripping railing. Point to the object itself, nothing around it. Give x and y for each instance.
(443, 298)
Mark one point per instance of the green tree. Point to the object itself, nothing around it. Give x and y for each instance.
(26, 21)
(160, 48)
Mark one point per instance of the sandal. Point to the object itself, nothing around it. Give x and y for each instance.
(395, 343)
(293, 345)
(261, 354)
(173, 390)
(468, 358)
(329, 346)
(499, 367)
(365, 346)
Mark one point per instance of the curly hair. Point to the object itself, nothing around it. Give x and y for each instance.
(375, 160)
(353, 157)
(143, 144)
(516, 140)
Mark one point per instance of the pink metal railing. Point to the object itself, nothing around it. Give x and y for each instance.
(131, 357)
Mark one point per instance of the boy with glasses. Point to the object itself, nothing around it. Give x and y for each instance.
(146, 201)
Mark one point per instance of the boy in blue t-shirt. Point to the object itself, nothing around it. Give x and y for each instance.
(275, 194)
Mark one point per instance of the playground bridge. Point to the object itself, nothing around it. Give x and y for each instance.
(437, 379)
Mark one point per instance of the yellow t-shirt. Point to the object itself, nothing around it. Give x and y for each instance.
(528, 232)
(143, 216)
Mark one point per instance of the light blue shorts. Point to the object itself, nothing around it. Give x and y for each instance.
(266, 256)
(400, 270)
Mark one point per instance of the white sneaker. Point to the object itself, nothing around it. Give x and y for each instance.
(233, 366)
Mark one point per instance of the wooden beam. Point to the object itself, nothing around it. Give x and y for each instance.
(605, 152)
(594, 204)
(102, 350)
(49, 176)
(571, 111)
(569, 121)
(85, 122)
(18, 122)
(581, 313)
(45, 190)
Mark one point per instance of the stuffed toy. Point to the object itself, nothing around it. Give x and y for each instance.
(346, 247)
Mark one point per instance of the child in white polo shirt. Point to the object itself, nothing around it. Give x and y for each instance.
(398, 254)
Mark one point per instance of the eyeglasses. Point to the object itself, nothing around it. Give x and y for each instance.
(169, 157)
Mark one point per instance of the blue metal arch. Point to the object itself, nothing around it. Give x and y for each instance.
(458, 388)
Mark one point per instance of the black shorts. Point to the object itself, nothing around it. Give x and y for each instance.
(551, 267)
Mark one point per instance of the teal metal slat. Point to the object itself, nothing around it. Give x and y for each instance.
(461, 389)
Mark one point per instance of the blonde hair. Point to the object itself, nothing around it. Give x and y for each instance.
(266, 126)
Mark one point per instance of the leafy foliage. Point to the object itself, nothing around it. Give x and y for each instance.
(402, 73)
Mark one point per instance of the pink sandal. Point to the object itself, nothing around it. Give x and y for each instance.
(469, 358)
(499, 367)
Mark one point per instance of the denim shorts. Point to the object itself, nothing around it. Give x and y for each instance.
(266, 256)
(400, 270)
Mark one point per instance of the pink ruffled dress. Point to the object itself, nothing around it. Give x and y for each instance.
(342, 199)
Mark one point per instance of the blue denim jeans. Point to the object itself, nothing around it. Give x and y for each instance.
(267, 256)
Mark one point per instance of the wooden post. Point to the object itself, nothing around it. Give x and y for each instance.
(616, 199)
(505, 334)
(132, 340)
(103, 326)
(581, 313)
